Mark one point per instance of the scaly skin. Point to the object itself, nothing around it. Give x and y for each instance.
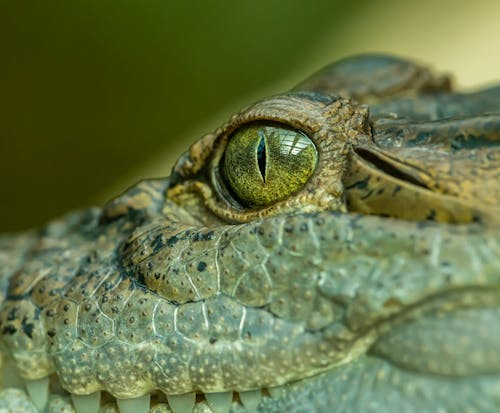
(374, 288)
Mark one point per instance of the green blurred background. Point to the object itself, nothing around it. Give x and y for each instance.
(95, 95)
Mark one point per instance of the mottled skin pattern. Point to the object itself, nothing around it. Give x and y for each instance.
(374, 288)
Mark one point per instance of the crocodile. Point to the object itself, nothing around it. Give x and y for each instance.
(334, 248)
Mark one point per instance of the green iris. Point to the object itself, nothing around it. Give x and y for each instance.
(264, 164)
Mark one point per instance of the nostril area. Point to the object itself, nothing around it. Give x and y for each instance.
(388, 167)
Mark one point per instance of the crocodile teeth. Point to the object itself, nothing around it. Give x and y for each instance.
(251, 399)
(38, 391)
(219, 402)
(181, 403)
(88, 403)
(137, 405)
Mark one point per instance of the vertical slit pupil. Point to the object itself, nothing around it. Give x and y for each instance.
(261, 156)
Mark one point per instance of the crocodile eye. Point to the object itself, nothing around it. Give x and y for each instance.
(266, 163)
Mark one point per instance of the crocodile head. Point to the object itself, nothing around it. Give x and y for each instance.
(316, 253)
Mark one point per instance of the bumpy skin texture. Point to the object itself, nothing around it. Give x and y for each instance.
(374, 288)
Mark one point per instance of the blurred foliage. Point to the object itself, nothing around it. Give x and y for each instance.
(94, 94)
(89, 88)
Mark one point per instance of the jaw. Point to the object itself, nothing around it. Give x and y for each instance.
(448, 270)
(426, 359)
(383, 271)
(382, 380)
(372, 384)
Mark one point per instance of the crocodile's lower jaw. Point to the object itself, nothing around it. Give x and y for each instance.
(47, 395)
(368, 384)
(382, 380)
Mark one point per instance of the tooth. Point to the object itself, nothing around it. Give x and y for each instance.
(88, 403)
(38, 390)
(276, 392)
(251, 399)
(219, 402)
(137, 405)
(181, 403)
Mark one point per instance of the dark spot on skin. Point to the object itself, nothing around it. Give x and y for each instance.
(202, 265)
(87, 307)
(200, 236)
(363, 184)
(27, 327)
(368, 194)
(477, 218)
(51, 333)
(12, 314)
(288, 228)
(158, 243)
(303, 227)
(141, 278)
(212, 340)
(173, 240)
(50, 313)
(9, 329)
(396, 189)
(431, 216)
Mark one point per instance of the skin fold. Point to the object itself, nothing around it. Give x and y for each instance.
(350, 264)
